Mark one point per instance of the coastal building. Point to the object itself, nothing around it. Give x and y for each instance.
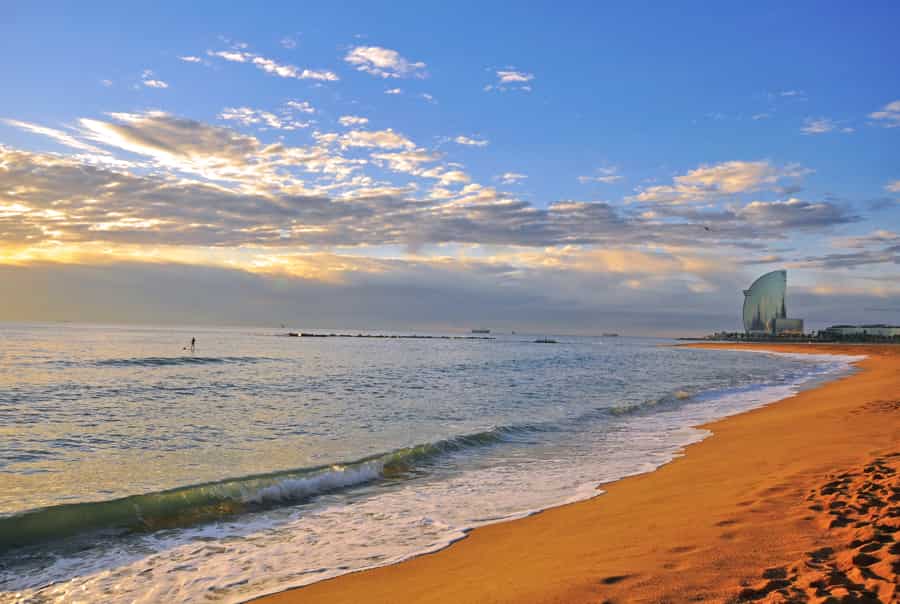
(788, 327)
(765, 307)
(849, 331)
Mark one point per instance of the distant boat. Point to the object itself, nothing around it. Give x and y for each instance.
(610, 335)
(545, 341)
(481, 331)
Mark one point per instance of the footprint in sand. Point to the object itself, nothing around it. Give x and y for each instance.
(612, 580)
(861, 511)
(728, 522)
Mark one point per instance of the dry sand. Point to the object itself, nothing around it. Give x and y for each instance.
(797, 501)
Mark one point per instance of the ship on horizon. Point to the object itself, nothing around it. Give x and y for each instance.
(481, 330)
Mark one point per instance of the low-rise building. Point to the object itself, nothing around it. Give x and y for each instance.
(877, 330)
(783, 326)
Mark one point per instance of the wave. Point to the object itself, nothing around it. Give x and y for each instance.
(190, 505)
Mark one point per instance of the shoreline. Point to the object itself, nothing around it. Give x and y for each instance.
(599, 547)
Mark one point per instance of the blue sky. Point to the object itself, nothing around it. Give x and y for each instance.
(663, 152)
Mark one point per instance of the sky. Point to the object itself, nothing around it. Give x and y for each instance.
(574, 167)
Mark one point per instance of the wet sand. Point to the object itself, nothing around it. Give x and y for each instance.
(796, 501)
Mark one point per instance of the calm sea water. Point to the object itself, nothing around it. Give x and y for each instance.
(133, 470)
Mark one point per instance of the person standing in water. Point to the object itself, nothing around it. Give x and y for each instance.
(193, 344)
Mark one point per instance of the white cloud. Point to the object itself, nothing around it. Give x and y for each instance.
(818, 125)
(185, 145)
(393, 91)
(230, 55)
(760, 116)
(251, 117)
(603, 175)
(283, 120)
(454, 177)
(288, 42)
(149, 81)
(382, 139)
(726, 178)
(511, 79)
(823, 125)
(472, 142)
(281, 70)
(106, 83)
(893, 187)
(59, 136)
(191, 59)
(428, 98)
(384, 62)
(738, 176)
(406, 161)
(511, 178)
(888, 116)
(352, 120)
(301, 106)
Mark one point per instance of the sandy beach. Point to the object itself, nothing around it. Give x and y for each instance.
(796, 501)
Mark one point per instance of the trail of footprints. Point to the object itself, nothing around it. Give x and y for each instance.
(861, 510)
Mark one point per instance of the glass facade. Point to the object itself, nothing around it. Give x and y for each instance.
(764, 302)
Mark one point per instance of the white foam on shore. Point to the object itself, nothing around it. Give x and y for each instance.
(268, 552)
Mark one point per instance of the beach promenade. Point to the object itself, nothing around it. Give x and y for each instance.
(796, 501)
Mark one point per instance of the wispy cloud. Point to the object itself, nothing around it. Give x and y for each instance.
(511, 79)
(191, 59)
(823, 125)
(472, 142)
(301, 106)
(247, 116)
(282, 70)
(511, 178)
(288, 42)
(352, 120)
(893, 187)
(603, 175)
(409, 162)
(888, 116)
(382, 139)
(384, 62)
(59, 136)
(393, 91)
(876, 247)
(150, 81)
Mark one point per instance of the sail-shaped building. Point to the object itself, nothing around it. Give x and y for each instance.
(765, 306)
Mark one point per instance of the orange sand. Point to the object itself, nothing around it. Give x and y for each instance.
(740, 512)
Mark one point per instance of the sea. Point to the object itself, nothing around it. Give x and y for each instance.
(135, 470)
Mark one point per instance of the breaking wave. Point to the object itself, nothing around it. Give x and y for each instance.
(190, 505)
